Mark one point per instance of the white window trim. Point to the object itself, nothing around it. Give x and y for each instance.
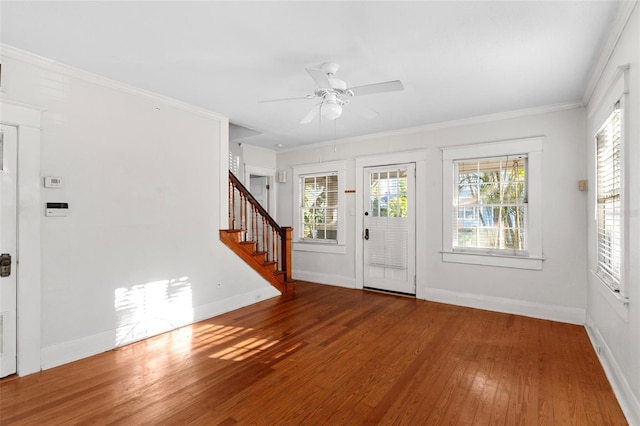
(338, 167)
(617, 91)
(533, 148)
(605, 276)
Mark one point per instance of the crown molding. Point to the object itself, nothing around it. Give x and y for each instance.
(89, 77)
(623, 14)
(443, 125)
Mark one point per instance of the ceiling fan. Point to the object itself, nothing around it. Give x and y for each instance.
(334, 93)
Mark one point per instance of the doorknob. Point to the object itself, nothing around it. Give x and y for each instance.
(366, 234)
(5, 265)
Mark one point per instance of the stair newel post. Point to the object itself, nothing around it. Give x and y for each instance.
(286, 252)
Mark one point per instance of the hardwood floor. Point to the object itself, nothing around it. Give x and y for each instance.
(333, 356)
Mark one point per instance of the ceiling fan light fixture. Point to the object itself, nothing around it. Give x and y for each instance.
(331, 110)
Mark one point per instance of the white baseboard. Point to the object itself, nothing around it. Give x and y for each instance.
(74, 350)
(510, 306)
(229, 304)
(318, 277)
(627, 400)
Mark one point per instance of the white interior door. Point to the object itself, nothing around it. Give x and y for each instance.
(389, 228)
(259, 188)
(8, 209)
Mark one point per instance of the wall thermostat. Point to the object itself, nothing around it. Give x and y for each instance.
(52, 182)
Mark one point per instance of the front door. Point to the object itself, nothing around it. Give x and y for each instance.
(8, 209)
(389, 228)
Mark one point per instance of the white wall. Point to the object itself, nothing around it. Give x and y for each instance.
(614, 326)
(556, 292)
(257, 157)
(139, 252)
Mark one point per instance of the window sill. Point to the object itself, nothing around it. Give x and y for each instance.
(319, 247)
(485, 259)
(618, 302)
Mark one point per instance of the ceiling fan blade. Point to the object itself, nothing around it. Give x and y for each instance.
(321, 79)
(311, 115)
(287, 99)
(369, 89)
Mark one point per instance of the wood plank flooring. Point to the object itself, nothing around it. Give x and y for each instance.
(333, 356)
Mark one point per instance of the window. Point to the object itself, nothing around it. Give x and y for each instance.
(388, 194)
(608, 199)
(492, 210)
(490, 205)
(319, 209)
(319, 206)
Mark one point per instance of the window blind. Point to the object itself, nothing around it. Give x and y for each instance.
(609, 203)
(319, 209)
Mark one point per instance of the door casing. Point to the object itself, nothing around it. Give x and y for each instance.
(395, 278)
(27, 119)
(8, 235)
(419, 157)
(271, 181)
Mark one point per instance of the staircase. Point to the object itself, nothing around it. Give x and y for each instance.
(256, 237)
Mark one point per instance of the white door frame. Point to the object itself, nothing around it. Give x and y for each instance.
(420, 160)
(27, 120)
(379, 224)
(271, 175)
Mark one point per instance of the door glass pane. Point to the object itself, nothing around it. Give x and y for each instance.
(374, 197)
(388, 194)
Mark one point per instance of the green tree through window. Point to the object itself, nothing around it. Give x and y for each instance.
(491, 203)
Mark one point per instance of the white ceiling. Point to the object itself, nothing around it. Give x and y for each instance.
(457, 59)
